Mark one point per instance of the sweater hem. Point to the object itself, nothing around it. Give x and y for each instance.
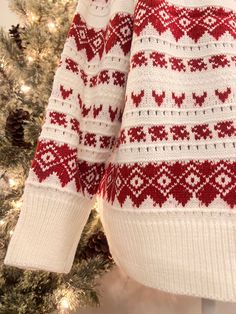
(125, 265)
(182, 253)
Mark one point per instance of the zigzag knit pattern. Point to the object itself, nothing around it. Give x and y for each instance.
(142, 116)
(195, 23)
(94, 46)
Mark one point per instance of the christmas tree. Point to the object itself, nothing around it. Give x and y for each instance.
(29, 55)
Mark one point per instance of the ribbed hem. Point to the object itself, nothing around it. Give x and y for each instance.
(188, 253)
(48, 230)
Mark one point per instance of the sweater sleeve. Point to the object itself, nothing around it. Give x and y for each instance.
(82, 121)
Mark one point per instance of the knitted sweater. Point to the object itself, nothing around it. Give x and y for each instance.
(141, 120)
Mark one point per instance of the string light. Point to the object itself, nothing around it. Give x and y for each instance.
(30, 59)
(33, 17)
(2, 222)
(64, 305)
(52, 26)
(96, 207)
(12, 183)
(67, 299)
(17, 204)
(11, 232)
(2, 63)
(25, 88)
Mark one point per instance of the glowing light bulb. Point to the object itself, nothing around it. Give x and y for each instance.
(25, 88)
(11, 232)
(52, 27)
(30, 59)
(64, 304)
(12, 183)
(17, 205)
(2, 222)
(33, 17)
(96, 207)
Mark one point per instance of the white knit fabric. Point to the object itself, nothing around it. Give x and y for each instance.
(142, 117)
(48, 230)
(190, 253)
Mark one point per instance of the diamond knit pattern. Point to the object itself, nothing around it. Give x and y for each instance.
(180, 116)
(56, 156)
(184, 21)
(120, 32)
(94, 41)
(204, 181)
(90, 39)
(51, 158)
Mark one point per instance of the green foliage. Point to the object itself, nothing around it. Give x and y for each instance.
(38, 292)
(22, 291)
(33, 66)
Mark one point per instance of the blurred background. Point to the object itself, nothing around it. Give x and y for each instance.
(7, 18)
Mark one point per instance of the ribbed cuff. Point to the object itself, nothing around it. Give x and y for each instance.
(48, 230)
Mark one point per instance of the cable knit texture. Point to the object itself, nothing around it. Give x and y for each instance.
(142, 118)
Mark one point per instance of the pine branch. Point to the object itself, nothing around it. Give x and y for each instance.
(6, 79)
(83, 281)
(19, 7)
(22, 291)
(11, 53)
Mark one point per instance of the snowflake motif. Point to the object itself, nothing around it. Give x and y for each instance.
(104, 77)
(158, 59)
(90, 139)
(197, 64)
(136, 182)
(138, 59)
(137, 134)
(119, 78)
(158, 132)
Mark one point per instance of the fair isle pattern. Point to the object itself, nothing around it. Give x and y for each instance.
(183, 104)
(179, 132)
(161, 60)
(181, 99)
(51, 158)
(193, 22)
(118, 31)
(181, 180)
(103, 77)
(60, 158)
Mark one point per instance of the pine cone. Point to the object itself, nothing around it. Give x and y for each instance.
(14, 32)
(15, 127)
(97, 244)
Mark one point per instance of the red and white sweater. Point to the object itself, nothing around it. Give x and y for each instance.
(141, 118)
